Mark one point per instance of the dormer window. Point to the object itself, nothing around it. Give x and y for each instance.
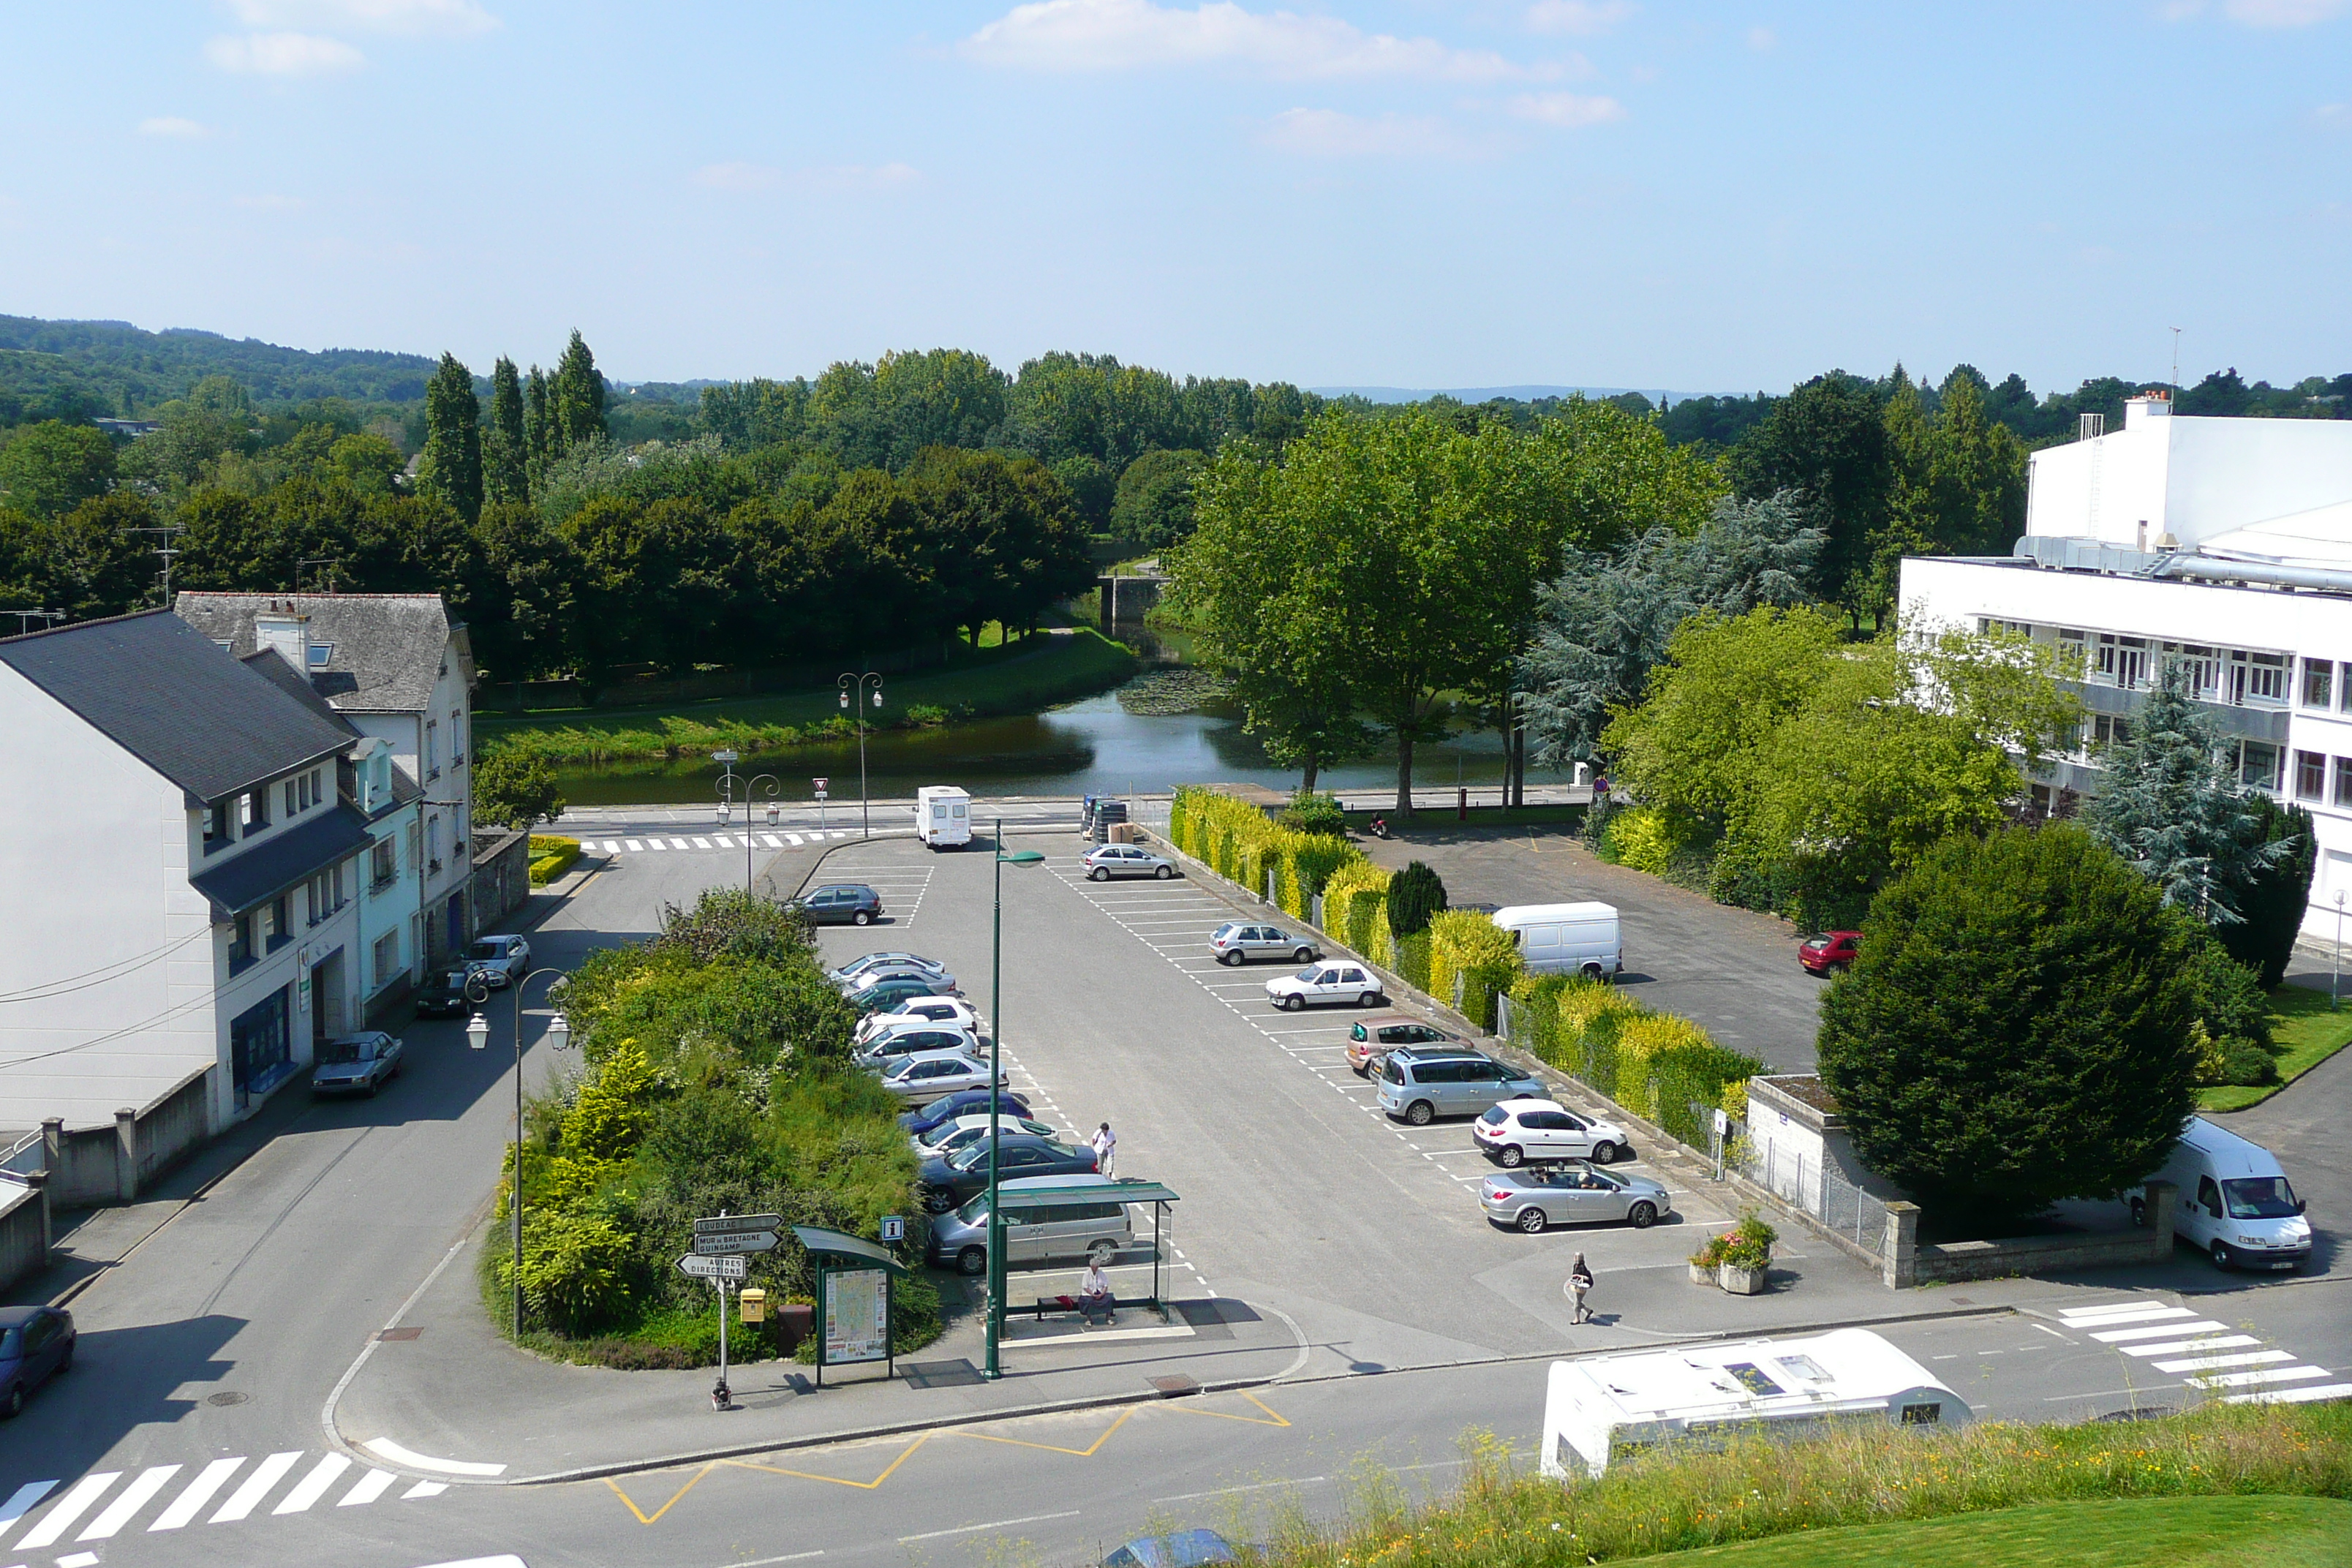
(321, 654)
(217, 826)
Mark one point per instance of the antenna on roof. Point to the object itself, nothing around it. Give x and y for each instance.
(2176, 359)
(170, 531)
(25, 617)
(329, 561)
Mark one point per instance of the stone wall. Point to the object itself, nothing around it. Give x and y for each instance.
(111, 1165)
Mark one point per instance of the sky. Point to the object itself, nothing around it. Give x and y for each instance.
(1422, 193)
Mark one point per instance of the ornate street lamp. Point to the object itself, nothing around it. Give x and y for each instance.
(478, 1036)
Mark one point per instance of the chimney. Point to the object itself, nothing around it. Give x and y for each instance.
(287, 634)
(2138, 411)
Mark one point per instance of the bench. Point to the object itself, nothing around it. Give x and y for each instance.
(1091, 1314)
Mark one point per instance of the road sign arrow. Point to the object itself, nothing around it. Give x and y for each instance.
(724, 1223)
(734, 1242)
(732, 1268)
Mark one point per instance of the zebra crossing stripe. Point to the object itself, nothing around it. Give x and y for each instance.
(369, 1487)
(2293, 1395)
(2269, 1375)
(2203, 1343)
(771, 841)
(424, 1489)
(135, 1497)
(312, 1486)
(655, 843)
(2159, 1331)
(794, 840)
(198, 1492)
(67, 1510)
(247, 1497)
(634, 846)
(22, 1502)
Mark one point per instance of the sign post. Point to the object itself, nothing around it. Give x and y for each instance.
(722, 1246)
(820, 784)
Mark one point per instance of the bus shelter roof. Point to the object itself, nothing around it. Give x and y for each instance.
(1049, 1191)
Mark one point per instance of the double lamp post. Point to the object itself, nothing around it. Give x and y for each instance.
(996, 1094)
(479, 987)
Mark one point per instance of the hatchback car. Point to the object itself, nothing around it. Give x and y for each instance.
(1830, 952)
(952, 1135)
(1127, 860)
(1421, 1083)
(1338, 981)
(1534, 1200)
(445, 997)
(948, 1107)
(891, 990)
(498, 960)
(356, 1063)
(838, 904)
(921, 1079)
(1535, 1132)
(864, 962)
(35, 1343)
(1370, 1038)
(929, 1040)
(953, 1012)
(1098, 1232)
(1236, 943)
(881, 971)
(963, 1175)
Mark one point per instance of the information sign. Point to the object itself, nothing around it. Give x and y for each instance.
(856, 1316)
(894, 1227)
(734, 1241)
(701, 1268)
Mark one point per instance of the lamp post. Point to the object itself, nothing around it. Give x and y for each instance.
(855, 684)
(752, 793)
(996, 1093)
(478, 1036)
(2335, 965)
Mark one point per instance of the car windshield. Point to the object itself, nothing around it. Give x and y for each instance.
(975, 1211)
(1308, 973)
(965, 1158)
(1225, 930)
(1816, 941)
(1495, 1116)
(486, 950)
(2259, 1198)
(347, 1051)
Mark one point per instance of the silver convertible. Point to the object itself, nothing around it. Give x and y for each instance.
(1534, 1198)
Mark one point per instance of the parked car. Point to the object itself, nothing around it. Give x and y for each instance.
(838, 903)
(1236, 943)
(356, 1063)
(864, 962)
(1535, 1131)
(1127, 860)
(1566, 938)
(953, 1012)
(1421, 1083)
(942, 817)
(1829, 953)
(963, 1175)
(953, 1134)
(2235, 1202)
(1342, 980)
(35, 1343)
(948, 1107)
(1533, 1199)
(881, 972)
(1091, 1230)
(500, 961)
(889, 991)
(1177, 1549)
(444, 996)
(931, 1040)
(920, 1080)
(1374, 1036)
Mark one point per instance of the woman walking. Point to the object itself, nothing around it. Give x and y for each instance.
(1579, 1283)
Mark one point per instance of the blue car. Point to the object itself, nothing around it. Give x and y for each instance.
(35, 1341)
(963, 1102)
(1178, 1549)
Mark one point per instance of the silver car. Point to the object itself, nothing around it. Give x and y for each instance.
(1421, 1083)
(859, 965)
(1234, 942)
(949, 1136)
(919, 1080)
(356, 1063)
(891, 1049)
(1533, 1200)
(1127, 860)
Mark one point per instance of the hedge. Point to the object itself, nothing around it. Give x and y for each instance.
(551, 857)
(1653, 1064)
(1467, 943)
(1356, 910)
(1241, 843)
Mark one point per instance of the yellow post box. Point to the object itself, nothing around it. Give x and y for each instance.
(755, 1304)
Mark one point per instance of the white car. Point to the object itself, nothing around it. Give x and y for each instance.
(953, 1134)
(1127, 860)
(1339, 980)
(1518, 1131)
(953, 1012)
(500, 961)
(921, 1079)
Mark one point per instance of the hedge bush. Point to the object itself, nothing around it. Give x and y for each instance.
(551, 857)
(1467, 943)
(1653, 1064)
(1641, 840)
(1355, 910)
(1242, 844)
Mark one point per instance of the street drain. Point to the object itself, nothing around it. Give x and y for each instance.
(227, 1398)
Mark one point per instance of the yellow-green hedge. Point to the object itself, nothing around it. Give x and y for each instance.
(551, 857)
(1470, 945)
(1356, 910)
(1640, 838)
(1240, 842)
(1654, 1064)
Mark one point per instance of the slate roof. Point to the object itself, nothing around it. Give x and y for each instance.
(281, 675)
(385, 649)
(268, 868)
(161, 690)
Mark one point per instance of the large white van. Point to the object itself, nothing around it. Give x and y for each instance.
(2234, 1200)
(1566, 938)
(942, 817)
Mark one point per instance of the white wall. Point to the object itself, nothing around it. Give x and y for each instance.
(2194, 477)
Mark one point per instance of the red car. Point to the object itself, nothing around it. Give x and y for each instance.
(1829, 953)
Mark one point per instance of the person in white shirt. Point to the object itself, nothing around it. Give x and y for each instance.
(1105, 1144)
(1094, 1291)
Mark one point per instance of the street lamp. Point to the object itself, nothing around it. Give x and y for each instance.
(996, 1093)
(857, 684)
(2336, 966)
(478, 1036)
(752, 792)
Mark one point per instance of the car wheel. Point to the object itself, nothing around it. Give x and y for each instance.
(861, 919)
(1229, 959)
(1604, 1153)
(1531, 1220)
(13, 1405)
(1292, 1004)
(1165, 872)
(973, 1261)
(2139, 1214)
(2223, 1259)
(1421, 1113)
(1642, 1217)
(372, 1087)
(1099, 875)
(1593, 971)
(1511, 1155)
(938, 1203)
(1369, 999)
(1101, 1253)
(1304, 955)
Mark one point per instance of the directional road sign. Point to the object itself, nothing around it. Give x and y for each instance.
(734, 1241)
(712, 1267)
(727, 1222)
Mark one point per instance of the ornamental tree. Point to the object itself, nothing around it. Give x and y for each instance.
(2017, 1029)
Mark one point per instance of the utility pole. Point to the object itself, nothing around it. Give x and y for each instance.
(170, 531)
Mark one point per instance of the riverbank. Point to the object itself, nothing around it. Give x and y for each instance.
(1061, 665)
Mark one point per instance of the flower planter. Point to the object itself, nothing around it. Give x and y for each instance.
(1702, 1274)
(1740, 1282)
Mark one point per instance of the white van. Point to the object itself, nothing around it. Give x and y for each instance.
(942, 817)
(1566, 938)
(2235, 1201)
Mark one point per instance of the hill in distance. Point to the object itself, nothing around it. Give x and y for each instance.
(1482, 393)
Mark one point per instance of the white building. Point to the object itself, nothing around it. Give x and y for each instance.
(401, 673)
(2225, 545)
(177, 918)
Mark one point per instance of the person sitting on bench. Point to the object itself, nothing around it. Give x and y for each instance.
(1095, 1294)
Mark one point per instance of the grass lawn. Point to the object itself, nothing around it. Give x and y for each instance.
(2306, 1034)
(2177, 1532)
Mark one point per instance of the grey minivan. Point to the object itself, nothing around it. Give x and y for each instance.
(1422, 1084)
(1097, 1232)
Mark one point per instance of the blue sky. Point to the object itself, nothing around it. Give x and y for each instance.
(1420, 194)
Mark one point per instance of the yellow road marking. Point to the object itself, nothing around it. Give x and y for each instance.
(1086, 1453)
(1271, 1419)
(837, 1480)
(644, 1518)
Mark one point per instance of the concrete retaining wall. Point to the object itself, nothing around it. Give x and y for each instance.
(92, 1165)
(23, 1229)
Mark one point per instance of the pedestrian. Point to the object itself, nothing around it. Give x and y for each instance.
(1580, 1282)
(1104, 1143)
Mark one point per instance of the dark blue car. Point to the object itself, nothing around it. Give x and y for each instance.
(35, 1341)
(963, 1102)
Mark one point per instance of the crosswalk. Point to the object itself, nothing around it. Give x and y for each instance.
(2205, 1354)
(667, 843)
(65, 1510)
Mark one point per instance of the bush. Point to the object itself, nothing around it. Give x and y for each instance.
(2247, 1064)
(514, 788)
(1355, 910)
(551, 858)
(574, 1269)
(1653, 1064)
(1416, 895)
(1242, 844)
(1470, 945)
(1749, 1243)
(1641, 840)
(1311, 813)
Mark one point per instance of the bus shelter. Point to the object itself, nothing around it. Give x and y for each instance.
(856, 1308)
(1031, 1194)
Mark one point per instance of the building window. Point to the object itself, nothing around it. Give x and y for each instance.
(281, 928)
(2310, 776)
(2343, 782)
(253, 810)
(432, 749)
(321, 653)
(216, 824)
(457, 738)
(2201, 672)
(386, 867)
(295, 791)
(2258, 766)
(2109, 730)
(433, 845)
(415, 849)
(2257, 678)
(240, 943)
(2122, 661)
(2318, 682)
(387, 957)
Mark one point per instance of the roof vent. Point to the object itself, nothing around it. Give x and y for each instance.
(2091, 427)
(2165, 542)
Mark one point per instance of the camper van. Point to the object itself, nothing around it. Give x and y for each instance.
(1566, 938)
(942, 817)
(1610, 1408)
(2234, 1204)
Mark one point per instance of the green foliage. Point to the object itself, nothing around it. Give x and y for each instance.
(1641, 838)
(551, 857)
(1415, 896)
(49, 468)
(575, 400)
(1468, 943)
(452, 468)
(1654, 1064)
(575, 1269)
(1153, 502)
(513, 788)
(2017, 1028)
(1311, 813)
(1748, 1245)
(1240, 842)
(506, 443)
(2273, 899)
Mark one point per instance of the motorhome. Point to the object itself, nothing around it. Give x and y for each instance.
(2235, 1202)
(1610, 1408)
(1566, 938)
(942, 817)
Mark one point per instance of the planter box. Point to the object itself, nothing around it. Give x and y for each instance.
(1701, 1274)
(1740, 1282)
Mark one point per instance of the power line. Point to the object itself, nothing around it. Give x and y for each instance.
(101, 975)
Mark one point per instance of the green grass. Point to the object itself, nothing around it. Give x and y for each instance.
(1014, 678)
(2178, 1532)
(2306, 1034)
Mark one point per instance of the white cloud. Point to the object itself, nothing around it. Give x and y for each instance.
(738, 178)
(1328, 133)
(1761, 39)
(1125, 35)
(411, 18)
(1569, 109)
(1583, 18)
(283, 54)
(173, 125)
(2333, 114)
(2263, 13)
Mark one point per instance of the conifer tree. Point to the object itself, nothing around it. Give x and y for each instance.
(578, 397)
(506, 448)
(539, 422)
(452, 438)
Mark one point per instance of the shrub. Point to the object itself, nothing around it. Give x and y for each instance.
(514, 788)
(1653, 1064)
(1355, 910)
(1411, 959)
(1242, 844)
(1748, 1245)
(574, 1269)
(1416, 895)
(925, 716)
(1641, 840)
(1311, 813)
(1470, 945)
(551, 858)
(2247, 1064)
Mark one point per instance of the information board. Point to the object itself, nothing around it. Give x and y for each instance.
(856, 1316)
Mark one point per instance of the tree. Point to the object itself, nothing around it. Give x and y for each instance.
(2016, 1029)
(366, 462)
(1415, 896)
(515, 789)
(49, 468)
(2273, 899)
(506, 443)
(452, 468)
(575, 398)
(1153, 503)
(1828, 438)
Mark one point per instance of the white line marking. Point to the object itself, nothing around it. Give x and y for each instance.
(763, 1562)
(385, 1448)
(247, 1497)
(634, 845)
(370, 1488)
(135, 1497)
(67, 1509)
(677, 843)
(196, 1494)
(2117, 1336)
(76, 1559)
(424, 1489)
(21, 1502)
(1253, 1487)
(1000, 1524)
(698, 844)
(2293, 1395)
(2207, 1342)
(794, 840)
(655, 843)
(312, 1486)
(2208, 1363)
(773, 842)
(2123, 1314)
(2269, 1375)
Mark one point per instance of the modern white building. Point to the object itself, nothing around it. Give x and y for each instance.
(179, 924)
(400, 674)
(2225, 545)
